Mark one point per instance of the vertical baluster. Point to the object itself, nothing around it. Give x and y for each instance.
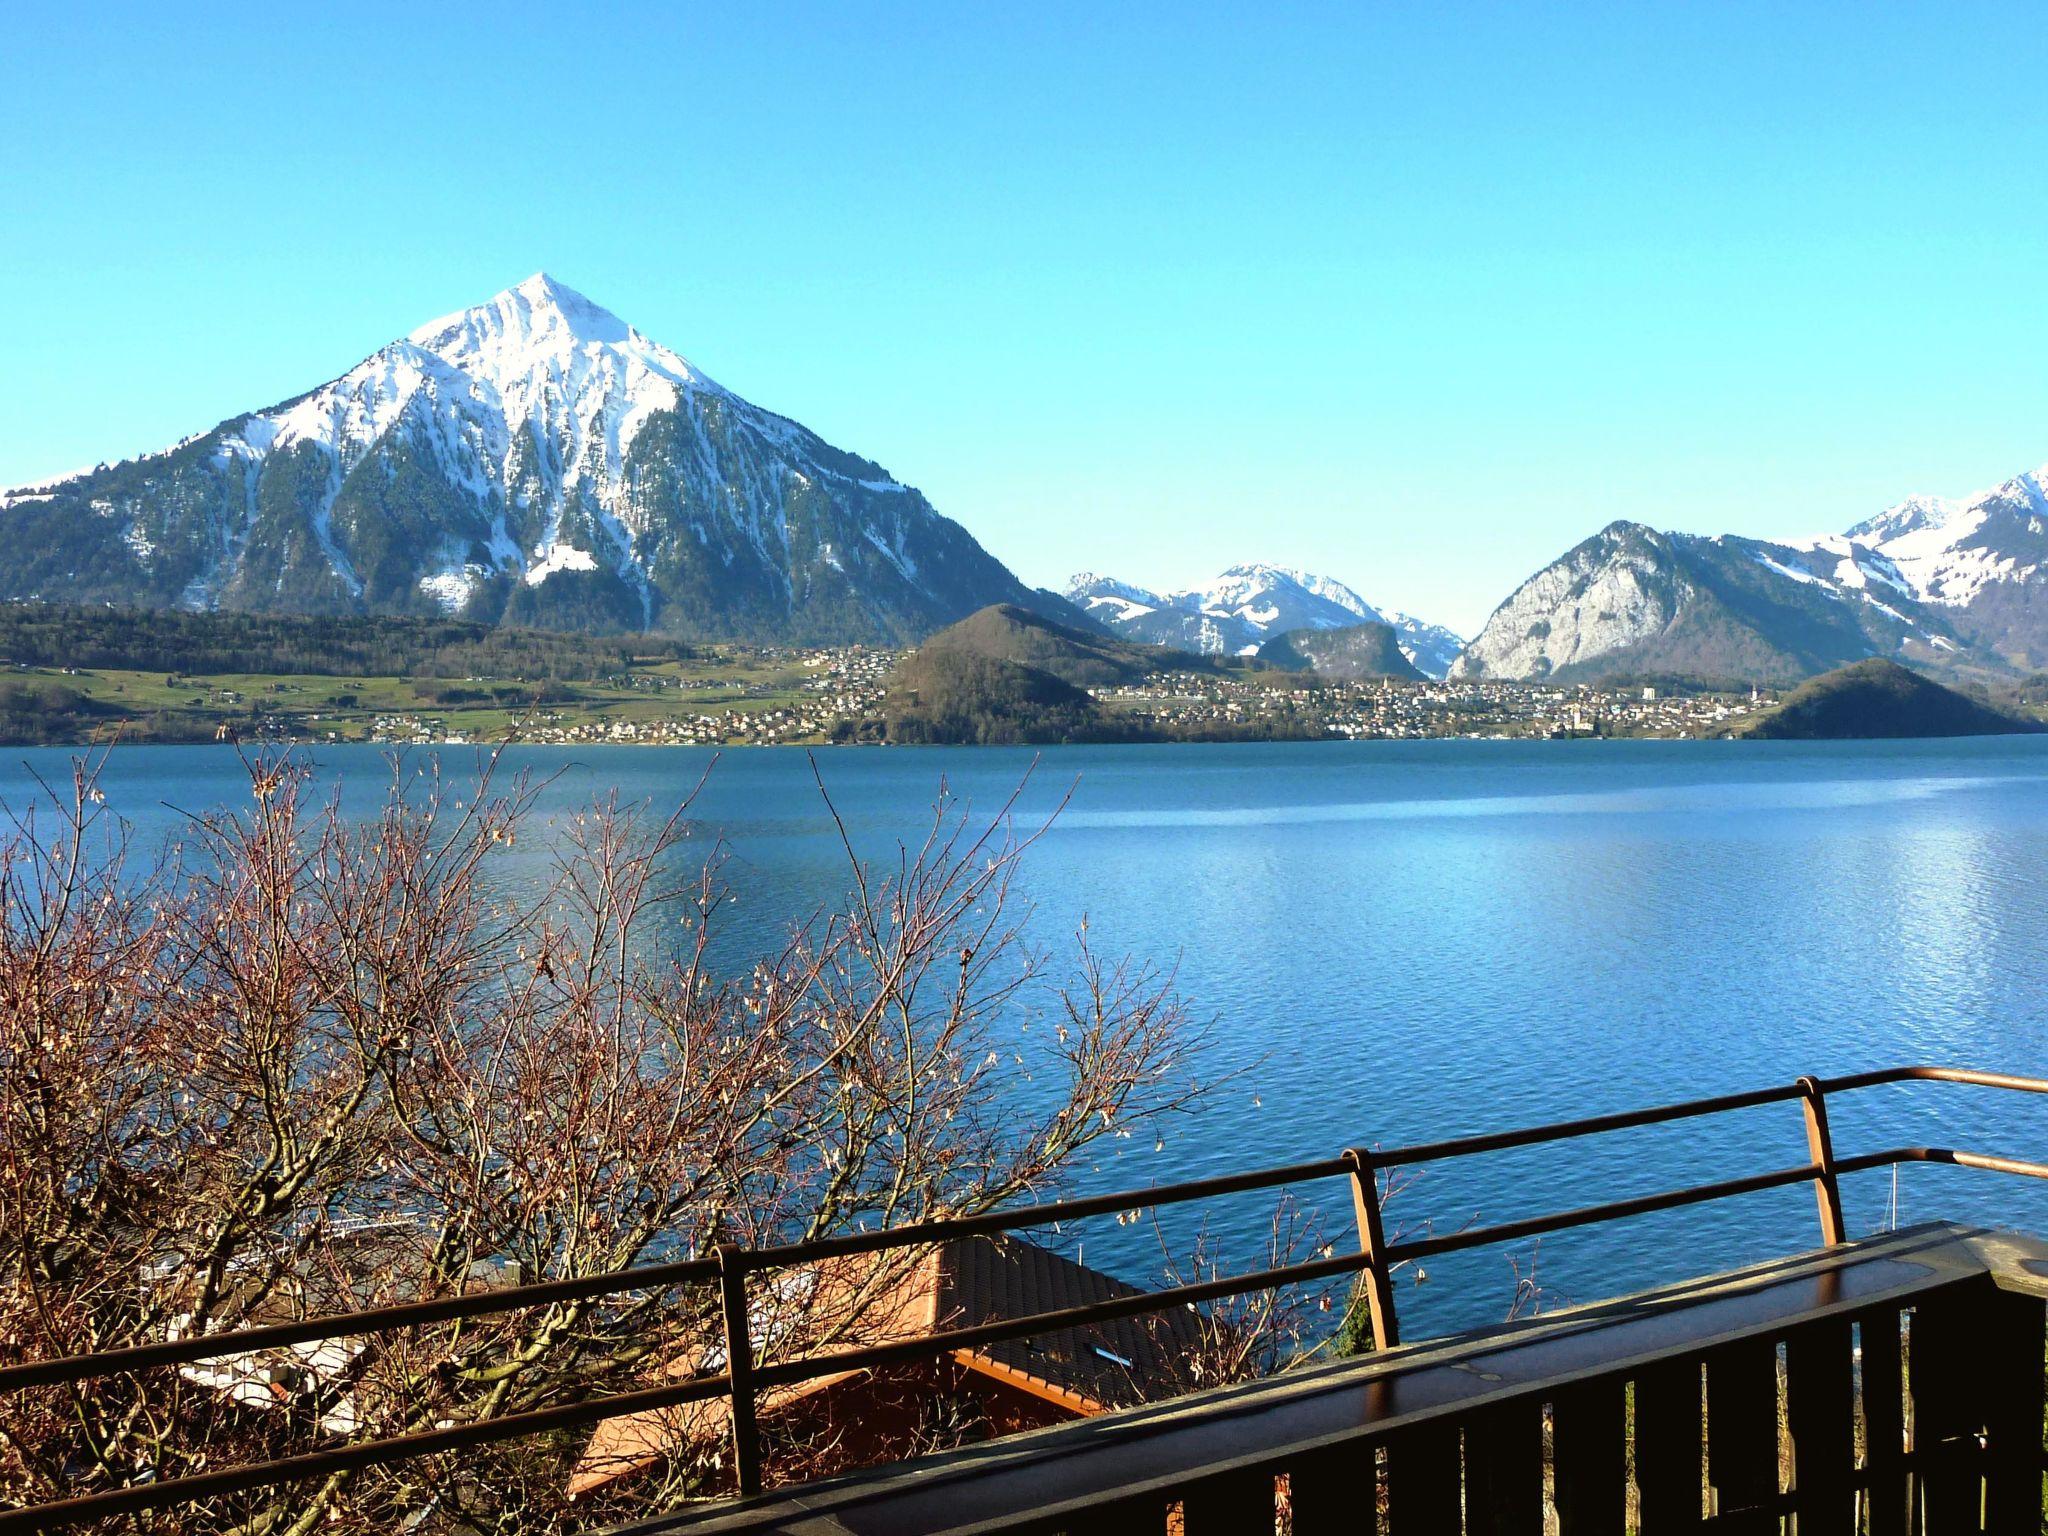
(1125, 1517)
(1947, 1379)
(1372, 1242)
(2013, 1414)
(1820, 1409)
(1424, 1484)
(1335, 1491)
(1670, 1480)
(1742, 1435)
(1888, 1499)
(1589, 1457)
(1504, 1470)
(1232, 1504)
(739, 1365)
(1820, 1151)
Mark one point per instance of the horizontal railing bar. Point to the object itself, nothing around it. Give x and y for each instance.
(700, 1271)
(1866, 1160)
(927, 1344)
(1534, 1135)
(1611, 1210)
(137, 1497)
(1967, 1075)
(427, 1442)
(1499, 1141)
(1642, 1205)
(341, 1325)
(1040, 1215)
(512, 1298)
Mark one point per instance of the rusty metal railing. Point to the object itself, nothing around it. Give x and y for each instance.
(728, 1269)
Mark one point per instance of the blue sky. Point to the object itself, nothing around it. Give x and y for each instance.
(1417, 296)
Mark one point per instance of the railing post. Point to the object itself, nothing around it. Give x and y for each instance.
(1372, 1242)
(1820, 1150)
(739, 1366)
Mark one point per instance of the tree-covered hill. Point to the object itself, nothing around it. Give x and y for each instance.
(1355, 651)
(1878, 699)
(162, 640)
(956, 696)
(1006, 632)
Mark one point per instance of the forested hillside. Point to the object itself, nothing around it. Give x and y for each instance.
(63, 635)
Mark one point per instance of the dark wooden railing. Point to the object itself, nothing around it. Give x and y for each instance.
(1891, 1385)
(1577, 1429)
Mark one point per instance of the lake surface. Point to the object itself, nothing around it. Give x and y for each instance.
(1401, 941)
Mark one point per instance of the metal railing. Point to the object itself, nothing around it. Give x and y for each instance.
(730, 1266)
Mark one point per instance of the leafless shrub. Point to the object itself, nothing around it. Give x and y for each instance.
(308, 1064)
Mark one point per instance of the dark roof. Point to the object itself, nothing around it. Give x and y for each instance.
(1111, 1364)
(958, 1283)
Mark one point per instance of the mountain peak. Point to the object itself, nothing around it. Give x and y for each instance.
(545, 294)
(539, 310)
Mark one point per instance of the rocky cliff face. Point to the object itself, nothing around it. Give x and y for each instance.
(1631, 599)
(1618, 589)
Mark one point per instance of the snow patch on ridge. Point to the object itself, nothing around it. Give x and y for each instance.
(453, 589)
(560, 558)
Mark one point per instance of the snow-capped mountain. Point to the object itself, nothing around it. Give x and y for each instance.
(1982, 559)
(1634, 600)
(1245, 606)
(1274, 599)
(534, 459)
(1944, 581)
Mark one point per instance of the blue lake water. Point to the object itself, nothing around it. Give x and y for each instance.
(1404, 941)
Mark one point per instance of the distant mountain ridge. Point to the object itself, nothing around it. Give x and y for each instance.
(1632, 599)
(1952, 584)
(1981, 559)
(533, 460)
(1246, 605)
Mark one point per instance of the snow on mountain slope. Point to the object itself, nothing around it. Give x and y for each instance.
(1430, 648)
(1632, 599)
(1944, 581)
(1111, 601)
(1247, 604)
(1274, 599)
(1984, 557)
(533, 459)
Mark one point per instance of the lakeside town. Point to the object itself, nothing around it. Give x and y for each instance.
(841, 688)
(1390, 709)
(738, 695)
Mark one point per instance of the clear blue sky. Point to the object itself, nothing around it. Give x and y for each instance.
(1414, 295)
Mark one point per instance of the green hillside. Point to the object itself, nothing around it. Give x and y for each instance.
(955, 696)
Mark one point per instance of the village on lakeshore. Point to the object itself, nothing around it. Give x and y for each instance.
(1382, 709)
(740, 696)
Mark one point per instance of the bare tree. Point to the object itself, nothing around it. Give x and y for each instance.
(306, 1062)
